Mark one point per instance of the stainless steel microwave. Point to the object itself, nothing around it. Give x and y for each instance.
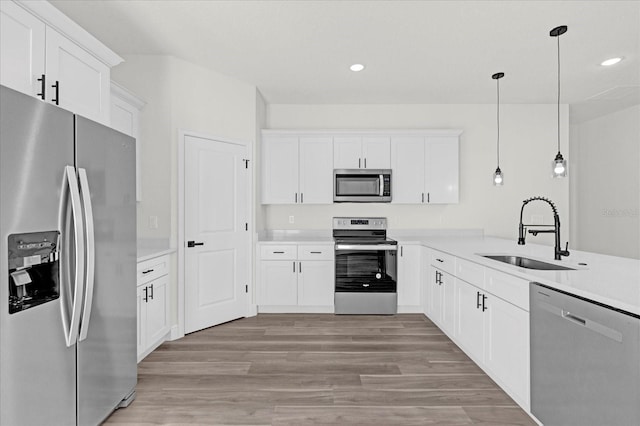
(362, 185)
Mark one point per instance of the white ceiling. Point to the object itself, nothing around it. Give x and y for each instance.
(433, 52)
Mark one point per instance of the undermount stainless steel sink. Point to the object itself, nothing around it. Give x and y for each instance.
(525, 262)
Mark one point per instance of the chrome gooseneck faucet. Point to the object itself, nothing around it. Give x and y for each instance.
(558, 252)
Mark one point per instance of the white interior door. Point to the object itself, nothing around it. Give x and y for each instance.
(216, 214)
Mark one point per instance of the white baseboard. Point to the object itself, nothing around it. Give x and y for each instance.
(410, 310)
(175, 334)
(252, 311)
(285, 309)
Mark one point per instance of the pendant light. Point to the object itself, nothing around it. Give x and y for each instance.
(559, 164)
(498, 176)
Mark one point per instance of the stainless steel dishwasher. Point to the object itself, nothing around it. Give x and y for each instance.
(585, 361)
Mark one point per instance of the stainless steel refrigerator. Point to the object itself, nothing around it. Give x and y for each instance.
(68, 266)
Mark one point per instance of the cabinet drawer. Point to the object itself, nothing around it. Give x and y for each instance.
(282, 252)
(443, 261)
(470, 272)
(152, 269)
(316, 252)
(507, 287)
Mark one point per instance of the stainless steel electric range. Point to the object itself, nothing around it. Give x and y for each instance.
(366, 266)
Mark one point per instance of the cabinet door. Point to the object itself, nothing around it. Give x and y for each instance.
(315, 283)
(280, 170)
(347, 152)
(407, 165)
(426, 282)
(447, 301)
(83, 81)
(470, 319)
(22, 40)
(409, 283)
(507, 345)
(278, 282)
(441, 170)
(376, 152)
(125, 118)
(141, 318)
(316, 170)
(435, 299)
(157, 310)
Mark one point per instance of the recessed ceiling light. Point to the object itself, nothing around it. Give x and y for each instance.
(610, 62)
(356, 67)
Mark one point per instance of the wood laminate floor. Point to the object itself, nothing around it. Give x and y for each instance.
(317, 369)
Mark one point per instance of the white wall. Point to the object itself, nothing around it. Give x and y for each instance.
(528, 135)
(606, 198)
(179, 96)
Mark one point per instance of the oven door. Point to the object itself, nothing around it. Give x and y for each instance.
(361, 185)
(366, 268)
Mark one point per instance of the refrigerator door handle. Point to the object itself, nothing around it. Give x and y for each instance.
(70, 188)
(91, 255)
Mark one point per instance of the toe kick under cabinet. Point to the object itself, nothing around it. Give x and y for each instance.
(295, 278)
(153, 304)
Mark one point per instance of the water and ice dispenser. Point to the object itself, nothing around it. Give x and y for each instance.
(33, 269)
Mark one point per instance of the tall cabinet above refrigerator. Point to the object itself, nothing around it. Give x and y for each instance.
(68, 266)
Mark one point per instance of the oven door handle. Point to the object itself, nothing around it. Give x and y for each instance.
(372, 247)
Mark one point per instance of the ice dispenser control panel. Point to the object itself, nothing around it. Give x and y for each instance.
(33, 269)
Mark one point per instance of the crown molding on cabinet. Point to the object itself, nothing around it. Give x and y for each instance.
(51, 16)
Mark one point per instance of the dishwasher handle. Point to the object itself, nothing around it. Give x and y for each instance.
(569, 316)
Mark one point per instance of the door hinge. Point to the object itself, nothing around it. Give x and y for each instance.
(246, 163)
(246, 288)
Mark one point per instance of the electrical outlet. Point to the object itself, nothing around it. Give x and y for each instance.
(291, 219)
(153, 222)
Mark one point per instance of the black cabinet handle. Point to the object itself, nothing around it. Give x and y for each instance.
(57, 98)
(316, 252)
(151, 295)
(428, 198)
(359, 160)
(146, 295)
(43, 84)
(300, 267)
(301, 197)
(401, 251)
(278, 252)
(294, 267)
(423, 197)
(477, 300)
(147, 271)
(484, 299)
(440, 260)
(365, 163)
(193, 244)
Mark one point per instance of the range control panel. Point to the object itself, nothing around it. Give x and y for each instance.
(359, 223)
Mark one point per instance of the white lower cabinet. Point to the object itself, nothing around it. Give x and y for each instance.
(409, 279)
(152, 304)
(486, 314)
(296, 278)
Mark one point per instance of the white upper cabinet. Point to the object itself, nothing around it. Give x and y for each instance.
(279, 170)
(441, 170)
(407, 165)
(297, 170)
(125, 118)
(22, 37)
(45, 54)
(425, 169)
(315, 172)
(361, 152)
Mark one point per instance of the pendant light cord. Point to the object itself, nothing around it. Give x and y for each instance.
(498, 121)
(558, 37)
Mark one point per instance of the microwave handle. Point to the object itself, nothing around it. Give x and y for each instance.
(381, 185)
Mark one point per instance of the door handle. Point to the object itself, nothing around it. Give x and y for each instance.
(91, 254)
(70, 188)
(484, 299)
(146, 294)
(43, 85)
(477, 300)
(57, 98)
(193, 244)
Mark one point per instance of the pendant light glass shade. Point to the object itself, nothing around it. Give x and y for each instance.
(498, 176)
(559, 164)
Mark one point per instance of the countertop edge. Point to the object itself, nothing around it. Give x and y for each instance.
(153, 253)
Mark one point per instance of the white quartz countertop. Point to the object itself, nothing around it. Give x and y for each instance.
(148, 249)
(610, 280)
(296, 237)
